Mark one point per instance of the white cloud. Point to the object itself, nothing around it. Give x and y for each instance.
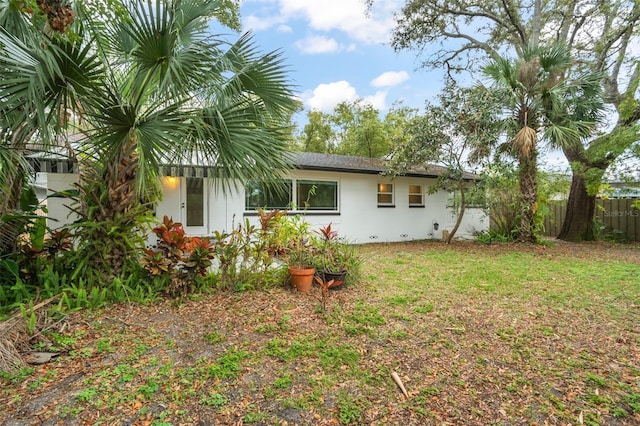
(312, 45)
(347, 16)
(377, 100)
(390, 79)
(327, 95)
(317, 44)
(256, 23)
(284, 29)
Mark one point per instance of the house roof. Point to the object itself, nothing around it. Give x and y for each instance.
(55, 162)
(350, 164)
(621, 192)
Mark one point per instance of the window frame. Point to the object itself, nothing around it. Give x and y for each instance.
(384, 193)
(336, 197)
(421, 194)
(288, 185)
(293, 189)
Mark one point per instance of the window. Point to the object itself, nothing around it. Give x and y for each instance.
(272, 195)
(309, 195)
(195, 202)
(317, 195)
(385, 195)
(416, 197)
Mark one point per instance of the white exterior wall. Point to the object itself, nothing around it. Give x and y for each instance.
(56, 182)
(474, 221)
(359, 218)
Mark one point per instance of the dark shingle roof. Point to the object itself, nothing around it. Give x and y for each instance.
(350, 164)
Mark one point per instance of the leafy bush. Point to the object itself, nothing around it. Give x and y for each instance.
(179, 259)
(495, 237)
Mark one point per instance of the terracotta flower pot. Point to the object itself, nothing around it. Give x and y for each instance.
(301, 277)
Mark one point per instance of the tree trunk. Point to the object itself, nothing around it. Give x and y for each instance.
(10, 204)
(111, 201)
(460, 216)
(529, 191)
(578, 221)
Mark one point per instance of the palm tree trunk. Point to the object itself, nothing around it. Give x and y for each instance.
(120, 179)
(529, 192)
(110, 200)
(8, 205)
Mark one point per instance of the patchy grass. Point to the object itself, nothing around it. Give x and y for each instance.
(499, 334)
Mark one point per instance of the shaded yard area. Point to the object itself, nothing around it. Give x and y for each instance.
(479, 334)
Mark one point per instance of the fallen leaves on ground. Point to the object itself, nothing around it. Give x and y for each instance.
(472, 354)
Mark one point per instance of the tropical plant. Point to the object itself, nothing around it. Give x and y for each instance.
(145, 84)
(542, 103)
(336, 254)
(179, 259)
(325, 286)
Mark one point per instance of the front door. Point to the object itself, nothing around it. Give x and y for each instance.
(194, 206)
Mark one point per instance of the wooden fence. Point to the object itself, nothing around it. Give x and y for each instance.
(615, 219)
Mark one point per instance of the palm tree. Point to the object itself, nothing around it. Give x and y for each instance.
(148, 85)
(544, 105)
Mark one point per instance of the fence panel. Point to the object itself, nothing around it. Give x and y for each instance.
(615, 218)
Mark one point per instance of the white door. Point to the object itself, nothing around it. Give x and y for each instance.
(194, 206)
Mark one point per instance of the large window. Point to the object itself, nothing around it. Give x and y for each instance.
(385, 195)
(317, 195)
(272, 195)
(416, 196)
(309, 195)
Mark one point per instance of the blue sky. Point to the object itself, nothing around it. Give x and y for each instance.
(338, 53)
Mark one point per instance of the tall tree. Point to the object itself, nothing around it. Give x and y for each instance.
(20, 121)
(353, 128)
(317, 134)
(600, 35)
(152, 85)
(451, 134)
(543, 104)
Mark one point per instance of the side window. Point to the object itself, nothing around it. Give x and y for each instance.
(276, 195)
(317, 195)
(385, 195)
(416, 196)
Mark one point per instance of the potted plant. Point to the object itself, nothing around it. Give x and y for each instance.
(301, 256)
(337, 256)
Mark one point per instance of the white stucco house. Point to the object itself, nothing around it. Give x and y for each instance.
(362, 204)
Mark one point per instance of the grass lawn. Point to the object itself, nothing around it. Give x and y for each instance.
(479, 335)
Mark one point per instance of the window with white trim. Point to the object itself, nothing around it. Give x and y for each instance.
(317, 195)
(385, 195)
(309, 195)
(272, 195)
(416, 196)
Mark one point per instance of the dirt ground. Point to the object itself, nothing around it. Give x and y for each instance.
(273, 357)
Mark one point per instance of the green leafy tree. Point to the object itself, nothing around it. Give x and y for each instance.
(452, 134)
(149, 84)
(459, 35)
(364, 134)
(317, 134)
(353, 128)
